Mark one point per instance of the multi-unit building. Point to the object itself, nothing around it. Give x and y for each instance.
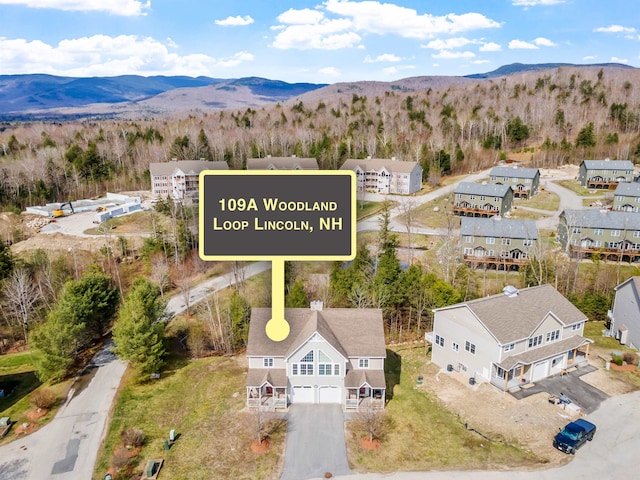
(625, 316)
(605, 174)
(282, 163)
(496, 242)
(523, 181)
(626, 198)
(510, 339)
(482, 199)
(614, 235)
(333, 355)
(380, 175)
(179, 180)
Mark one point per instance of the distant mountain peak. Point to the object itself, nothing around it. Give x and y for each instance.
(527, 67)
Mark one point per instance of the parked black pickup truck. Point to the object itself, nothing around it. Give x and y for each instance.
(574, 435)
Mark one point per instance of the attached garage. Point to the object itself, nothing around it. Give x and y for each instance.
(330, 394)
(540, 370)
(302, 394)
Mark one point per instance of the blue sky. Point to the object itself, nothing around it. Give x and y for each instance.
(305, 41)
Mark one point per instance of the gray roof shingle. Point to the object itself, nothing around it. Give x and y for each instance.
(378, 164)
(628, 189)
(498, 227)
(510, 319)
(608, 164)
(282, 163)
(606, 219)
(487, 189)
(514, 172)
(353, 332)
(187, 166)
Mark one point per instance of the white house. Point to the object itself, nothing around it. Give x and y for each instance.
(179, 180)
(333, 355)
(625, 316)
(381, 175)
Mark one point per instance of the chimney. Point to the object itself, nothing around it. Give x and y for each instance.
(316, 305)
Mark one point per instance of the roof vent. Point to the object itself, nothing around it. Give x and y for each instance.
(316, 305)
(484, 182)
(510, 291)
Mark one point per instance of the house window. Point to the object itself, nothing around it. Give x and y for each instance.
(535, 341)
(598, 232)
(506, 241)
(454, 346)
(439, 340)
(336, 369)
(468, 239)
(490, 253)
(468, 251)
(305, 367)
(615, 233)
(509, 347)
(553, 336)
(577, 230)
(267, 362)
(363, 363)
(325, 364)
(527, 243)
(597, 243)
(636, 234)
(470, 347)
(483, 197)
(491, 240)
(619, 198)
(472, 197)
(576, 326)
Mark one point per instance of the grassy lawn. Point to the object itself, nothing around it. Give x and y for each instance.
(198, 399)
(137, 222)
(578, 189)
(423, 435)
(368, 209)
(436, 214)
(544, 200)
(520, 214)
(19, 381)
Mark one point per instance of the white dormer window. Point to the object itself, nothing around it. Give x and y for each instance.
(267, 362)
(363, 363)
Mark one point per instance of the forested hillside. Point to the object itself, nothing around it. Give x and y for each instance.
(547, 118)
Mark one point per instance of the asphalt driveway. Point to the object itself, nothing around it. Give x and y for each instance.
(586, 396)
(315, 442)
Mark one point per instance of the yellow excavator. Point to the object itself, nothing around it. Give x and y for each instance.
(60, 211)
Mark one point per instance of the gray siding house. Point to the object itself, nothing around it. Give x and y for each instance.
(333, 355)
(614, 235)
(481, 199)
(381, 175)
(282, 163)
(496, 242)
(626, 198)
(510, 339)
(179, 180)
(523, 181)
(605, 174)
(625, 316)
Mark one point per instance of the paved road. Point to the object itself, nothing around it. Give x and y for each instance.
(609, 455)
(315, 442)
(67, 447)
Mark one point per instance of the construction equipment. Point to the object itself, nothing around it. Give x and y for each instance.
(60, 211)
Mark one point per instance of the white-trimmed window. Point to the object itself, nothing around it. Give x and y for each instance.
(577, 230)
(527, 243)
(305, 366)
(491, 253)
(506, 241)
(553, 336)
(468, 239)
(535, 341)
(615, 233)
(491, 240)
(509, 347)
(598, 232)
(363, 363)
(468, 251)
(576, 326)
(636, 234)
(455, 347)
(326, 367)
(470, 347)
(439, 340)
(267, 362)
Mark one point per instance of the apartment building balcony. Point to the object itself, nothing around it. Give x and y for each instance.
(620, 254)
(472, 211)
(516, 260)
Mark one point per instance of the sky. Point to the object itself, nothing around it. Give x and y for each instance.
(310, 41)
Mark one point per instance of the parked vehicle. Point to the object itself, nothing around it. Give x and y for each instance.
(574, 435)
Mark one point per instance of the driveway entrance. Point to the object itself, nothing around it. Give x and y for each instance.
(586, 396)
(315, 442)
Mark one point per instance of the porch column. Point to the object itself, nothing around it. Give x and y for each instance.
(587, 352)
(506, 379)
(521, 372)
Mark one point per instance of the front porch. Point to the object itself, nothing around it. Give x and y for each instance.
(267, 397)
(365, 398)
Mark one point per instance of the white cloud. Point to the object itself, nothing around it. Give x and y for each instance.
(125, 8)
(307, 28)
(330, 71)
(519, 44)
(544, 42)
(236, 21)
(449, 55)
(397, 69)
(327, 35)
(614, 29)
(385, 57)
(589, 57)
(533, 3)
(479, 62)
(102, 55)
(449, 43)
(490, 47)
(619, 60)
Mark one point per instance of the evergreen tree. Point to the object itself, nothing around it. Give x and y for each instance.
(138, 333)
(203, 148)
(6, 261)
(297, 297)
(240, 313)
(586, 137)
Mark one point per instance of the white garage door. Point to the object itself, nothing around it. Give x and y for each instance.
(539, 371)
(330, 394)
(302, 394)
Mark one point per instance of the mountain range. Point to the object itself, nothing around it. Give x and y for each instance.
(48, 97)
